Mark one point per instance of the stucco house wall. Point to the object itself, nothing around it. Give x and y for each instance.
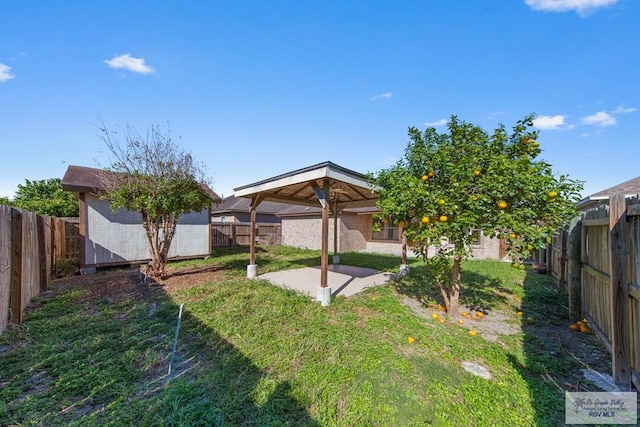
(120, 237)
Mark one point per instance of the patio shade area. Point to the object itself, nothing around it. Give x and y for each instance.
(326, 184)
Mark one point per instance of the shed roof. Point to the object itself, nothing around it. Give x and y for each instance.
(82, 179)
(347, 187)
(628, 188)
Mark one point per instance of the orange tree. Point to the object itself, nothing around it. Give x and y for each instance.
(449, 185)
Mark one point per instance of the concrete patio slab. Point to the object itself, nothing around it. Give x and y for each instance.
(345, 280)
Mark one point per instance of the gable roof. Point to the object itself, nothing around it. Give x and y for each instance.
(82, 179)
(348, 188)
(241, 204)
(628, 188)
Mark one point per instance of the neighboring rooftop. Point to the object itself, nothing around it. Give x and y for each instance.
(628, 188)
(240, 204)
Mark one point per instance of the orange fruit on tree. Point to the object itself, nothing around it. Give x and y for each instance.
(585, 329)
(442, 202)
(444, 218)
(520, 313)
(502, 204)
(580, 323)
(527, 141)
(474, 197)
(476, 172)
(552, 194)
(425, 220)
(513, 235)
(424, 177)
(432, 174)
(401, 224)
(575, 327)
(536, 144)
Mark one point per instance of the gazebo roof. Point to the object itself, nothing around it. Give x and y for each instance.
(347, 187)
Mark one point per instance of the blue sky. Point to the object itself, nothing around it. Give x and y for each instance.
(259, 88)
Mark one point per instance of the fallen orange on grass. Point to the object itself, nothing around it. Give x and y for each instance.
(461, 322)
(411, 339)
(480, 314)
(472, 332)
(435, 315)
(585, 329)
(520, 313)
(575, 327)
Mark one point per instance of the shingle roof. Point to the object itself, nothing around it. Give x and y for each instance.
(628, 188)
(240, 204)
(82, 179)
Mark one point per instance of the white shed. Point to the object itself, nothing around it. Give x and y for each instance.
(119, 238)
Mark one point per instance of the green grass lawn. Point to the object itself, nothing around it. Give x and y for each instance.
(253, 354)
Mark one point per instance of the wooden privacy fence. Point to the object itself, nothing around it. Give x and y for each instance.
(29, 246)
(602, 254)
(231, 234)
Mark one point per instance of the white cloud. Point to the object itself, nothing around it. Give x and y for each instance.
(386, 95)
(440, 122)
(582, 7)
(600, 119)
(129, 63)
(5, 73)
(549, 122)
(621, 109)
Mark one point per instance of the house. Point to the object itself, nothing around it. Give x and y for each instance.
(628, 188)
(109, 238)
(355, 232)
(238, 210)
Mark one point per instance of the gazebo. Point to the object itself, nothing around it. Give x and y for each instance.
(331, 186)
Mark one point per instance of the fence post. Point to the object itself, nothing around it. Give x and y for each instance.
(15, 292)
(574, 265)
(42, 253)
(562, 278)
(619, 256)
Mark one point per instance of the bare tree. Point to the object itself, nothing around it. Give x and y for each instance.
(152, 175)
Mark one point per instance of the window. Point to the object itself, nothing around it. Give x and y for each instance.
(476, 238)
(387, 232)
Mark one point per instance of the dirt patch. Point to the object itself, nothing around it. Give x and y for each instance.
(179, 279)
(489, 327)
(553, 340)
(115, 286)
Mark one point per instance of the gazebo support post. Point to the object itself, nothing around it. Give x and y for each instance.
(336, 255)
(324, 291)
(252, 268)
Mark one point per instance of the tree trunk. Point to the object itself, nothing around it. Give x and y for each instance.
(454, 292)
